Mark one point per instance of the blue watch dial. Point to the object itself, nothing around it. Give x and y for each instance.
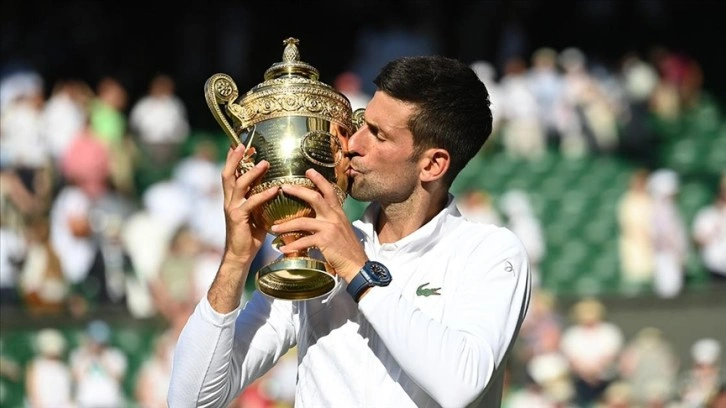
(372, 274)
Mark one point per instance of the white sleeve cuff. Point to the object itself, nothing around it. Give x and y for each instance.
(215, 318)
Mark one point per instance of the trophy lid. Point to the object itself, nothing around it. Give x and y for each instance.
(292, 88)
(291, 64)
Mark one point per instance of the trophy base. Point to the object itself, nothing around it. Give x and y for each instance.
(295, 278)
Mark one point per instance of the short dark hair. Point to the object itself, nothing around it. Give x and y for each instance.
(452, 105)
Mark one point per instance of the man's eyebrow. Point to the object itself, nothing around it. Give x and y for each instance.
(373, 128)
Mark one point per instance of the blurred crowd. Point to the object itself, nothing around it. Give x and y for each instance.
(108, 202)
(585, 360)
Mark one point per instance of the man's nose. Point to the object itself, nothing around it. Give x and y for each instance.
(354, 142)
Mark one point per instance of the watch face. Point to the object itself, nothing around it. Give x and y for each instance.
(379, 272)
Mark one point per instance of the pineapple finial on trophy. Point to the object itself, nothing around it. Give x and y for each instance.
(291, 53)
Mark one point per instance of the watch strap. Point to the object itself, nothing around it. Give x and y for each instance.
(358, 285)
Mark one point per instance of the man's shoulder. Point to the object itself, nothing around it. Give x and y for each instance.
(487, 234)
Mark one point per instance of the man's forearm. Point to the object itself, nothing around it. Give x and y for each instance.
(226, 290)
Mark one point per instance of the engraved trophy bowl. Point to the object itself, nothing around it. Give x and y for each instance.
(295, 122)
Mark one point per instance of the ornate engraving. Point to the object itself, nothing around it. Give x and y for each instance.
(297, 181)
(223, 87)
(302, 101)
(322, 148)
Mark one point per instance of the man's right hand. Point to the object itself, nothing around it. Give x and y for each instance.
(244, 238)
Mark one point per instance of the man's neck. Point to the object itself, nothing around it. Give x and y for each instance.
(398, 220)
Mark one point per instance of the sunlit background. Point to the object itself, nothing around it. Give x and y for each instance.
(608, 160)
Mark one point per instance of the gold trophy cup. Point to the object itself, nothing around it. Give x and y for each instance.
(295, 122)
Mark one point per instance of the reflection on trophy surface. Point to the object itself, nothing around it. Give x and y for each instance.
(295, 122)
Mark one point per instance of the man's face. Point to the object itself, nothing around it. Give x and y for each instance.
(382, 167)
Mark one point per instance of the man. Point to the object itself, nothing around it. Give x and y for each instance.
(439, 333)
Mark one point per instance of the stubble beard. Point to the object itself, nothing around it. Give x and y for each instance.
(365, 191)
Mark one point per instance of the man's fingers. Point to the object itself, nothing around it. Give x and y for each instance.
(233, 158)
(310, 196)
(255, 200)
(297, 224)
(242, 184)
(325, 187)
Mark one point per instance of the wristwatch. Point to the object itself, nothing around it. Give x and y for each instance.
(371, 274)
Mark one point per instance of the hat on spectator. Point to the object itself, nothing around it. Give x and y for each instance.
(663, 183)
(99, 331)
(50, 343)
(588, 311)
(706, 351)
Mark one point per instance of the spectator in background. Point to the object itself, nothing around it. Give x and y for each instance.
(702, 381)
(86, 167)
(13, 245)
(98, 369)
(590, 120)
(709, 233)
(23, 149)
(154, 374)
(107, 111)
(650, 366)
(523, 222)
(108, 123)
(546, 83)
(591, 346)
(522, 131)
(477, 206)
(635, 215)
(65, 115)
(43, 286)
(548, 384)
(173, 290)
(619, 394)
(719, 399)
(198, 174)
(48, 379)
(19, 82)
(541, 330)
(350, 84)
(147, 234)
(159, 120)
(670, 240)
(666, 102)
(638, 140)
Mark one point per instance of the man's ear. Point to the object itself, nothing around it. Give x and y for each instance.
(434, 164)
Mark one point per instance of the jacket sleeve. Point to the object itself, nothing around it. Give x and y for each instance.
(454, 360)
(217, 355)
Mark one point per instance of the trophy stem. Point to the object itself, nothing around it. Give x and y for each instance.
(296, 275)
(287, 238)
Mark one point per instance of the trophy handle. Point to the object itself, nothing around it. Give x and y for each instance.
(220, 90)
(359, 119)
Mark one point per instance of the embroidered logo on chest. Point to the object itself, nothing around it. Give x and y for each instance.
(426, 292)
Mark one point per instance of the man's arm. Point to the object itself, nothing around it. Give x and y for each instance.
(219, 354)
(454, 361)
(209, 359)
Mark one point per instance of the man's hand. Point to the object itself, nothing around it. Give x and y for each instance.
(244, 238)
(331, 232)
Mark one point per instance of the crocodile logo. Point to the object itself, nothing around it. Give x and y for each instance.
(422, 291)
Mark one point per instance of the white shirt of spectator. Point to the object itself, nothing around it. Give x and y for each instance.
(709, 227)
(76, 253)
(98, 377)
(160, 120)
